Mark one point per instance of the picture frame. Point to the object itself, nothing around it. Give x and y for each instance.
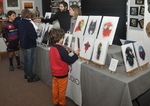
(134, 22)
(141, 23)
(12, 5)
(134, 10)
(48, 15)
(28, 4)
(141, 2)
(142, 9)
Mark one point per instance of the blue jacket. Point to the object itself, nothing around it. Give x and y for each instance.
(26, 32)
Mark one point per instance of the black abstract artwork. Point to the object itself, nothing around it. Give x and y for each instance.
(92, 27)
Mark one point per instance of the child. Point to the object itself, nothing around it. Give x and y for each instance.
(11, 38)
(27, 37)
(59, 62)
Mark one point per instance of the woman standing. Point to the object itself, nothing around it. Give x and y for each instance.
(74, 11)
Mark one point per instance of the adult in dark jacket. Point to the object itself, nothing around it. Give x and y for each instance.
(27, 38)
(62, 16)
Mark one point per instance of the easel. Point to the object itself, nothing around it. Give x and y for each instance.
(111, 71)
(82, 58)
(101, 65)
(128, 73)
(145, 65)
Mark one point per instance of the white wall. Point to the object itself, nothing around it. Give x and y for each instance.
(138, 35)
(37, 3)
(133, 33)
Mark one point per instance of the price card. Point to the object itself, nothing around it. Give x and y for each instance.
(113, 64)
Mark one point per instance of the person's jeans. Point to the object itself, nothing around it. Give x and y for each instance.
(28, 62)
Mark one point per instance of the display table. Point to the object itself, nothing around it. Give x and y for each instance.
(102, 88)
(42, 65)
(99, 86)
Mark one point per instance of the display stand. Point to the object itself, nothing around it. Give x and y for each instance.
(111, 71)
(82, 58)
(101, 65)
(145, 65)
(128, 73)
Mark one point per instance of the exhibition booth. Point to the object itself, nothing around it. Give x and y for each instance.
(106, 74)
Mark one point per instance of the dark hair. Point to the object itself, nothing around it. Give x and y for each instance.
(9, 13)
(64, 3)
(25, 13)
(55, 35)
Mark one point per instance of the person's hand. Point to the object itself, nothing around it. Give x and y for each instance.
(36, 20)
(77, 51)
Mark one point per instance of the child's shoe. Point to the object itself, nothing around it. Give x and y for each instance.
(20, 67)
(11, 68)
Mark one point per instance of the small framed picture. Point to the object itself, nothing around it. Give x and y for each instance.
(139, 2)
(133, 10)
(141, 23)
(142, 8)
(133, 22)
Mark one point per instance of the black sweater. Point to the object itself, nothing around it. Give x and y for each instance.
(63, 19)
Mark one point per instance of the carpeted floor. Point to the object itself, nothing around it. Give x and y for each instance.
(16, 91)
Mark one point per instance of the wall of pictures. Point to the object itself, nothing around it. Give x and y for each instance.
(136, 14)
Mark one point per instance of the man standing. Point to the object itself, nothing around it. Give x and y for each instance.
(62, 16)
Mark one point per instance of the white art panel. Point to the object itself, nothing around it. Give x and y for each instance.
(87, 48)
(80, 25)
(78, 42)
(67, 40)
(100, 51)
(47, 29)
(93, 26)
(140, 53)
(129, 57)
(47, 15)
(108, 28)
(41, 27)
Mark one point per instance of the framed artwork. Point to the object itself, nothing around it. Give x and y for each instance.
(139, 2)
(47, 29)
(134, 22)
(47, 15)
(40, 31)
(108, 28)
(140, 53)
(93, 26)
(87, 48)
(142, 8)
(147, 29)
(129, 57)
(78, 42)
(12, 4)
(141, 23)
(67, 40)
(80, 25)
(28, 4)
(100, 51)
(133, 10)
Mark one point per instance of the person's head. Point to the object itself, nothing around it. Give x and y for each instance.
(74, 11)
(25, 13)
(63, 6)
(56, 35)
(11, 15)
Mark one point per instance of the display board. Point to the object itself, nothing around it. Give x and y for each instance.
(140, 53)
(80, 25)
(87, 48)
(100, 51)
(108, 28)
(129, 57)
(93, 26)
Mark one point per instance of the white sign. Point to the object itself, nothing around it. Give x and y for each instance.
(113, 64)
